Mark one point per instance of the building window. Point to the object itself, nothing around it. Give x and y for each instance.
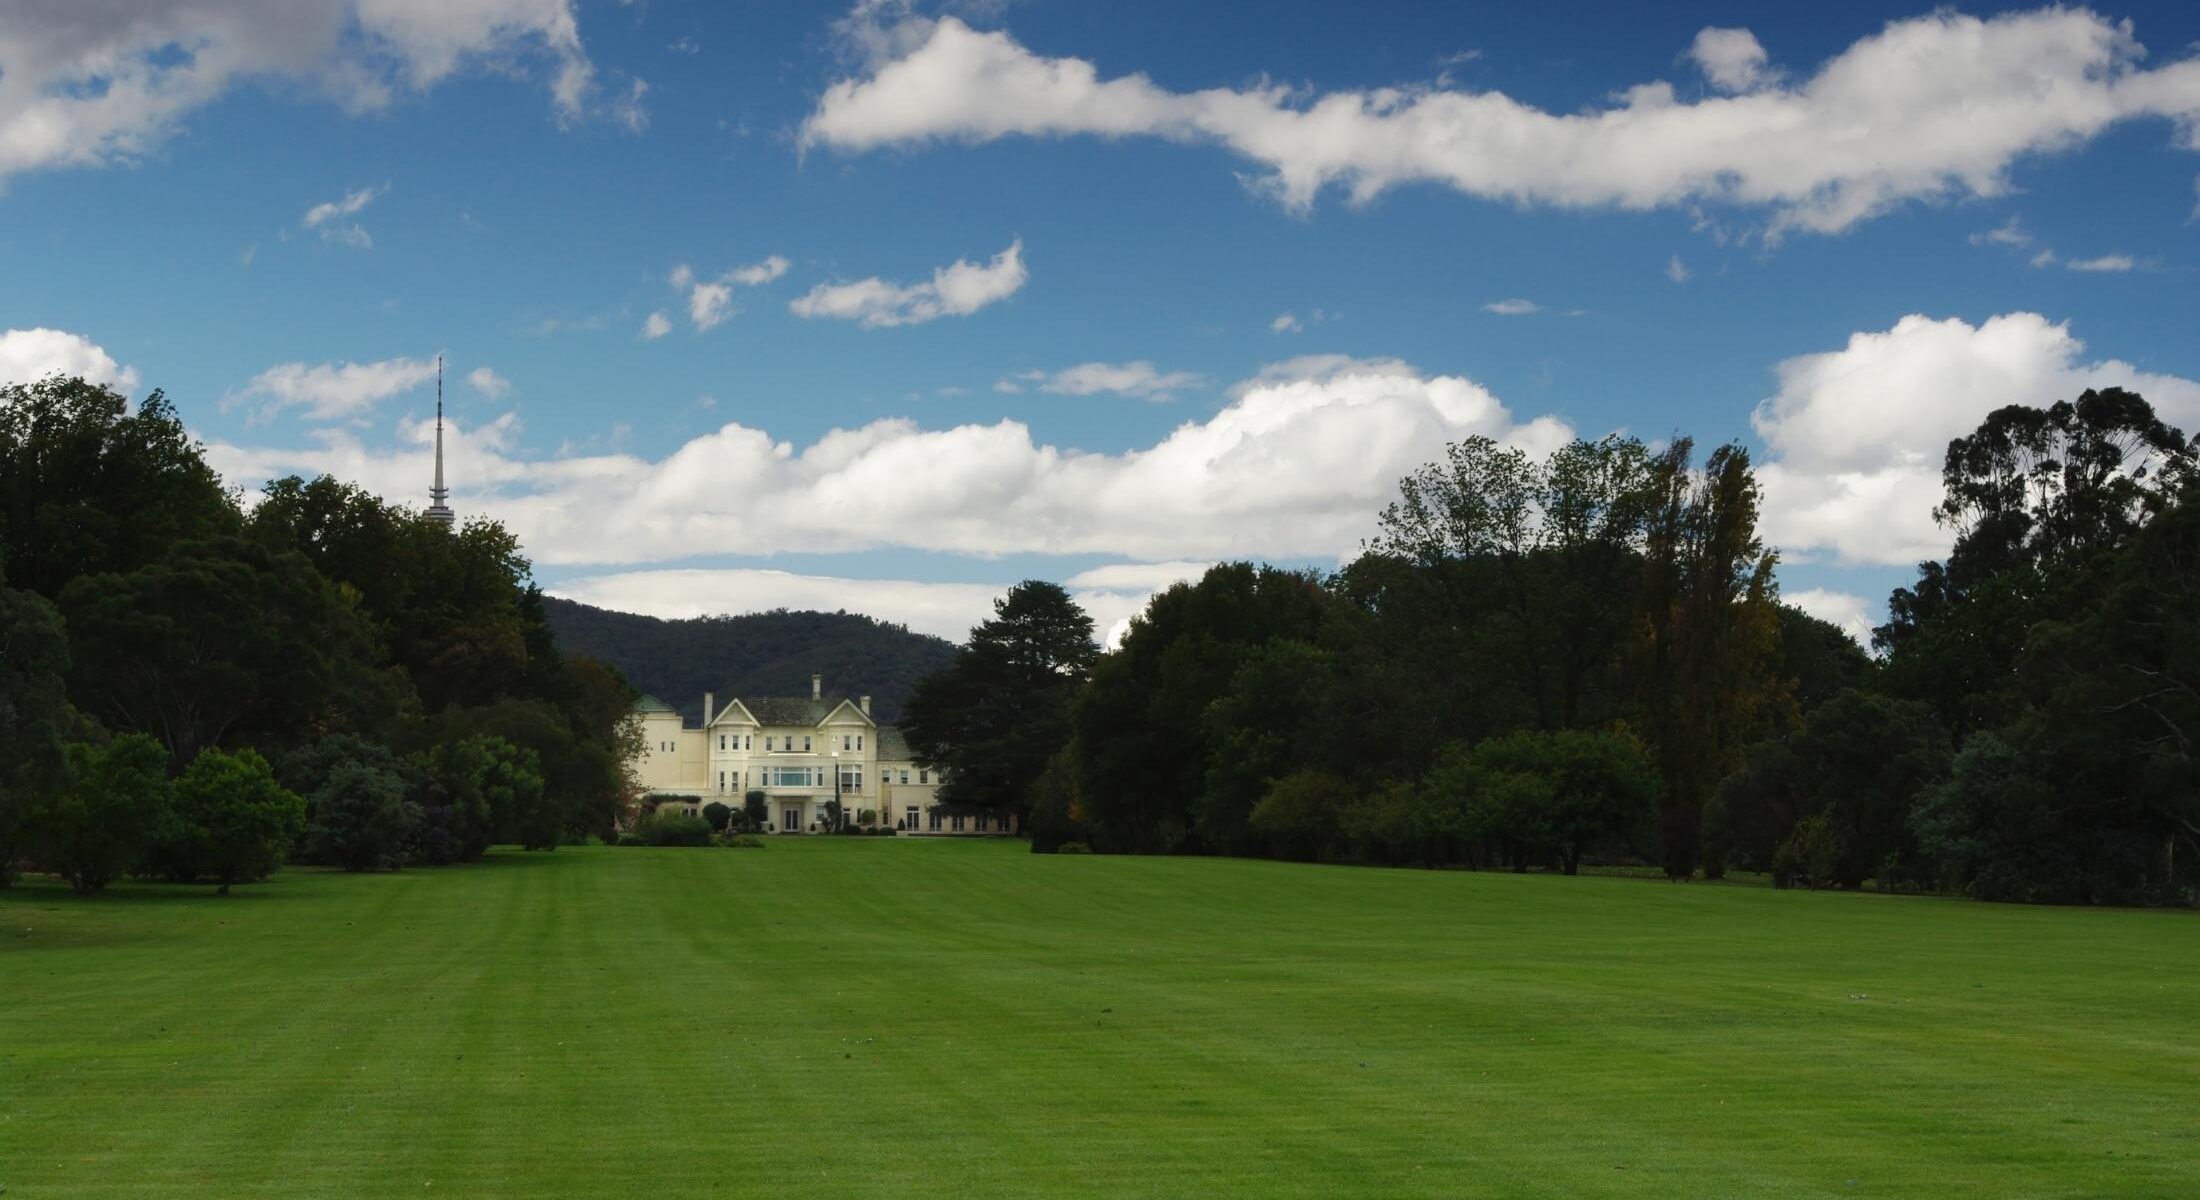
(721, 781)
(935, 820)
(721, 741)
(911, 822)
(846, 742)
(859, 741)
(805, 745)
(958, 824)
(924, 776)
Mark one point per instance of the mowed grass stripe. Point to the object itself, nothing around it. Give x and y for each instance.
(894, 1018)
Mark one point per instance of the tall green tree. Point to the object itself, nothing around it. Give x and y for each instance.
(34, 659)
(2040, 500)
(1139, 734)
(993, 718)
(1536, 552)
(1710, 656)
(1860, 761)
(89, 486)
(224, 643)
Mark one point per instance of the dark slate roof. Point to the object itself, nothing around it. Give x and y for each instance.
(892, 746)
(790, 710)
(651, 704)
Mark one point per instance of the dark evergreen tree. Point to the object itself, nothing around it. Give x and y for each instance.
(991, 721)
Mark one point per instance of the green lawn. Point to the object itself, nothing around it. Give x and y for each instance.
(929, 1018)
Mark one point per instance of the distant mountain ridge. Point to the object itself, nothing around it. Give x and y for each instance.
(756, 654)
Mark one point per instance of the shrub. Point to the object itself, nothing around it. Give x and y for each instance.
(672, 829)
(719, 816)
(358, 818)
(94, 829)
(1073, 848)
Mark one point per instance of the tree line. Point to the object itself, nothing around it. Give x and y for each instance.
(197, 688)
(1583, 657)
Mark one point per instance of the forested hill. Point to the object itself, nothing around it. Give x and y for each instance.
(757, 654)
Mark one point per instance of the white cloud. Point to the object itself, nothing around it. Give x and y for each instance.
(947, 610)
(710, 301)
(709, 304)
(488, 382)
(1931, 108)
(328, 217)
(1141, 379)
(1295, 467)
(956, 290)
(2009, 233)
(350, 205)
(1844, 609)
(331, 391)
(1285, 323)
(1512, 308)
(761, 272)
(1731, 60)
(29, 355)
(1858, 434)
(1676, 270)
(84, 84)
(2105, 263)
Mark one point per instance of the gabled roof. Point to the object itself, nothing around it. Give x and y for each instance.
(799, 711)
(731, 705)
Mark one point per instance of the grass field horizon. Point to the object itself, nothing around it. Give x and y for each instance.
(903, 1018)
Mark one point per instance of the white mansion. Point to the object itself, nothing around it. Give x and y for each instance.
(801, 752)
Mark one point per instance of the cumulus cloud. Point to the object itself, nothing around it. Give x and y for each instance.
(710, 301)
(90, 84)
(1857, 435)
(1141, 379)
(332, 391)
(956, 290)
(1676, 270)
(488, 382)
(1295, 467)
(1844, 609)
(29, 355)
(1931, 108)
(1731, 60)
(1285, 323)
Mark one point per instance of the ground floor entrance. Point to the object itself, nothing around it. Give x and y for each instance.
(790, 819)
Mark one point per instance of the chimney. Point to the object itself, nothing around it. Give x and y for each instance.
(706, 709)
(817, 687)
(864, 703)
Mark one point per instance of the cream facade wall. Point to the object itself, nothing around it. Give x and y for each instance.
(800, 766)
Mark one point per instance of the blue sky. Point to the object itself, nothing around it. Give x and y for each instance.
(885, 307)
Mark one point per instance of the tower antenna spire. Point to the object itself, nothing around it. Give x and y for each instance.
(439, 510)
